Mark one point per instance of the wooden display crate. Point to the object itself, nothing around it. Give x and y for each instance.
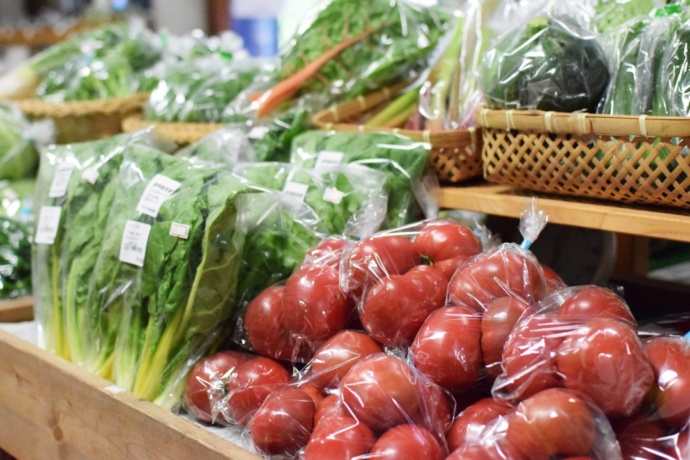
(12, 311)
(50, 408)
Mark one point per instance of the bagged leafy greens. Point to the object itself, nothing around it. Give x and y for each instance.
(15, 256)
(672, 80)
(348, 199)
(198, 91)
(346, 48)
(18, 154)
(550, 63)
(16, 199)
(165, 280)
(228, 146)
(74, 191)
(402, 160)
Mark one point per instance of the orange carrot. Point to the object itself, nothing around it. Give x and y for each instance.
(272, 98)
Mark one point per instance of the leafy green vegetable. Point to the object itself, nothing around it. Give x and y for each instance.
(18, 155)
(610, 15)
(673, 81)
(275, 135)
(154, 319)
(402, 160)
(16, 199)
(198, 91)
(551, 64)
(15, 253)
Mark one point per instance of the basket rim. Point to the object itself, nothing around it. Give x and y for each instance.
(40, 108)
(583, 123)
(181, 132)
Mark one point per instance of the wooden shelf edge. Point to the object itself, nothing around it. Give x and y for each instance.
(16, 310)
(503, 200)
(50, 408)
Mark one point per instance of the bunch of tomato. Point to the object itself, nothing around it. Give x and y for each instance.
(421, 343)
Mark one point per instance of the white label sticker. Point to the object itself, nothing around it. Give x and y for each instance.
(257, 132)
(333, 195)
(61, 178)
(326, 160)
(157, 191)
(134, 241)
(48, 224)
(179, 230)
(90, 175)
(295, 190)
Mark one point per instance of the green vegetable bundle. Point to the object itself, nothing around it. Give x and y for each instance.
(18, 155)
(346, 199)
(16, 199)
(74, 192)
(403, 161)
(550, 64)
(165, 280)
(198, 91)
(350, 47)
(15, 253)
(673, 81)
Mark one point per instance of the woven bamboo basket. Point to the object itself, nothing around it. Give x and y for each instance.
(628, 159)
(454, 155)
(181, 133)
(78, 121)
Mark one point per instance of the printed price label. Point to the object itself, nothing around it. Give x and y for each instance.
(48, 224)
(157, 191)
(295, 190)
(257, 132)
(134, 241)
(326, 160)
(333, 195)
(61, 178)
(90, 175)
(179, 230)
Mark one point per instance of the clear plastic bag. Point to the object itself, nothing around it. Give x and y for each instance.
(549, 62)
(17, 200)
(15, 256)
(18, 141)
(402, 160)
(228, 145)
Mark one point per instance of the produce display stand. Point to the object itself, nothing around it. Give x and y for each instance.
(16, 310)
(50, 408)
(42, 36)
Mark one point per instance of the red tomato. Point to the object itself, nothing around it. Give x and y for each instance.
(206, 384)
(641, 438)
(339, 438)
(435, 411)
(528, 360)
(681, 445)
(469, 425)
(381, 391)
(552, 422)
(314, 306)
(498, 321)
(328, 251)
(594, 302)
(376, 257)
(312, 391)
(263, 323)
(449, 266)
(553, 281)
(605, 360)
(404, 442)
(477, 452)
(252, 382)
(505, 271)
(445, 239)
(337, 355)
(330, 406)
(670, 359)
(447, 349)
(397, 306)
(284, 422)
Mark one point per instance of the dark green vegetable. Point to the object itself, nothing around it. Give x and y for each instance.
(552, 64)
(15, 256)
(402, 160)
(673, 81)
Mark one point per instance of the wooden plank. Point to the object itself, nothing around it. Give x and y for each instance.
(50, 408)
(503, 200)
(12, 311)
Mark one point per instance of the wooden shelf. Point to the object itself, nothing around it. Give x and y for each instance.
(502, 200)
(12, 311)
(50, 408)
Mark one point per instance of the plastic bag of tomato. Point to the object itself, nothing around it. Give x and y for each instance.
(427, 342)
